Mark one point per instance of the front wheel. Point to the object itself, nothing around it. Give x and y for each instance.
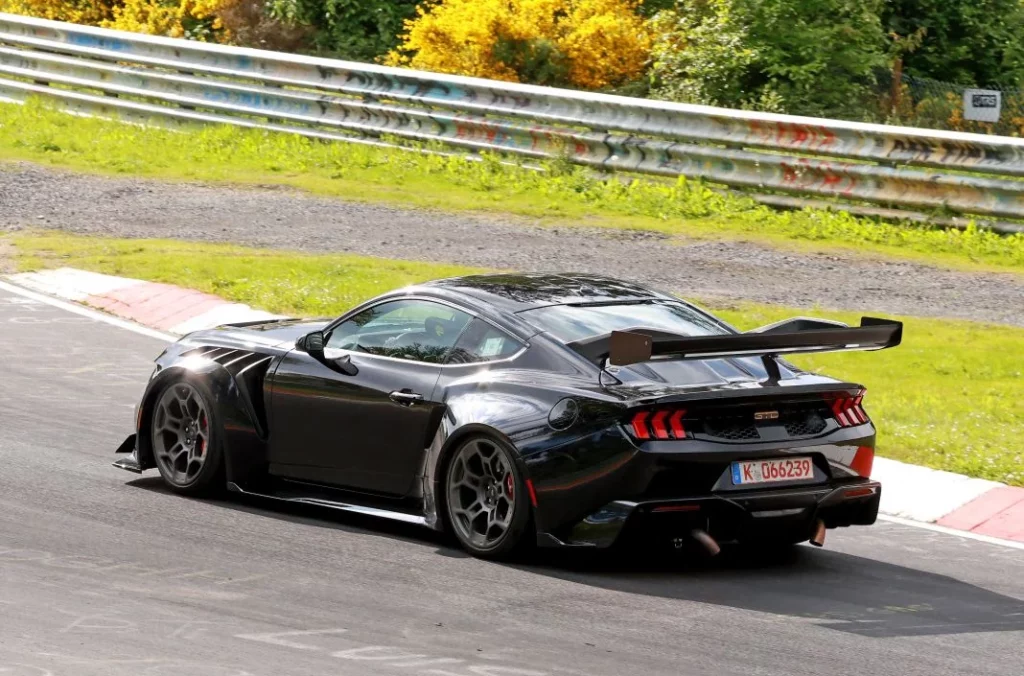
(486, 500)
(186, 439)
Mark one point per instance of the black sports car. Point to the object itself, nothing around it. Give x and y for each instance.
(556, 410)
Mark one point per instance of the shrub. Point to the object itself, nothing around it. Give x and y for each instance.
(250, 24)
(583, 43)
(90, 12)
(810, 57)
(195, 19)
(358, 30)
(965, 41)
(192, 19)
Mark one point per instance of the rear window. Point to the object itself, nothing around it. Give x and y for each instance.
(570, 323)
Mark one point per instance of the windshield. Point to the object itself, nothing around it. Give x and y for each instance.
(570, 323)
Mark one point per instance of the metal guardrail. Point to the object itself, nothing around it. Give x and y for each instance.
(178, 82)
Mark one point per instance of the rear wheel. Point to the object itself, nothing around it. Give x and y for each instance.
(186, 439)
(486, 500)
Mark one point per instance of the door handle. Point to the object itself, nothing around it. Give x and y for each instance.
(405, 397)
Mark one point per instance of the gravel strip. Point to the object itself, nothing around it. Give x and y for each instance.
(277, 217)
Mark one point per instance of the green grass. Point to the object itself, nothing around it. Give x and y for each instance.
(951, 397)
(562, 195)
(281, 282)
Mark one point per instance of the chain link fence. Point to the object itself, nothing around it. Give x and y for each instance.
(934, 104)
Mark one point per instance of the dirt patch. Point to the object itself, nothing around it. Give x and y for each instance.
(728, 271)
(7, 265)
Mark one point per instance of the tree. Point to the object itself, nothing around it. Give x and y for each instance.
(810, 57)
(358, 30)
(582, 43)
(971, 42)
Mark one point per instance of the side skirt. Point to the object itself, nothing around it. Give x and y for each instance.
(417, 519)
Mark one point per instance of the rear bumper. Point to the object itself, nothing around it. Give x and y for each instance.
(768, 515)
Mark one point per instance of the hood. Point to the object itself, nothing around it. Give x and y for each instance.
(265, 333)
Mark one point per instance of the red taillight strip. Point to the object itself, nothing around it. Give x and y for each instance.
(658, 425)
(848, 411)
(861, 416)
(676, 423)
(663, 424)
(640, 430)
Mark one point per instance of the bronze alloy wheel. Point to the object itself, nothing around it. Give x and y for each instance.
(482, 493)
(181, 434)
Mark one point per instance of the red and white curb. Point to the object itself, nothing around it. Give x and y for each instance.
(160, 306)
(986, 510)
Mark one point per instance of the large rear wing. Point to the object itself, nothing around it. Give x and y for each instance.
(799, 335)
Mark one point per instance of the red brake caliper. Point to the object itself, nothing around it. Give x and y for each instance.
(201, 442)
(509, 486)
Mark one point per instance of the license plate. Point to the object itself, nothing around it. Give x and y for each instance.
(771, 470)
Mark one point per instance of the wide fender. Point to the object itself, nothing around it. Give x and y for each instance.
(546, 449)
(244, 436)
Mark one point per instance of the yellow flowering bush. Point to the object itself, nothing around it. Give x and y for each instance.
(194, 19)
(583, 43)
(91, 12)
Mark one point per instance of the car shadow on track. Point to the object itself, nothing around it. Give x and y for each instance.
(319, 517)
(841, 591)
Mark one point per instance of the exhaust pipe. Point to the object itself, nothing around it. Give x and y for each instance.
(818, 539)
(706, 541)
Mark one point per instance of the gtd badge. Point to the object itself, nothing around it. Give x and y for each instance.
(766, 415)
(984, 101)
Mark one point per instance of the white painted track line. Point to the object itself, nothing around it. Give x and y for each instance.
(87, 312)
(952, 531)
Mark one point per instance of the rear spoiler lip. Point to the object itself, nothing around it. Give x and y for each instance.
(641, 344)
(778, 393)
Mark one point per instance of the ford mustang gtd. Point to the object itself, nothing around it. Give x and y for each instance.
(519, 410)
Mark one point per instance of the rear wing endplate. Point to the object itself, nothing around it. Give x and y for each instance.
(799, 335)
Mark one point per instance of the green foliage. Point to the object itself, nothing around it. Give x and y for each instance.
(649, 8)
(358, 30)
(535, 60)
(809, 57)
(564, 194)
(972, 42)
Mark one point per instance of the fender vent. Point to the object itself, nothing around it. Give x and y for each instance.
(234, 360)
(248, 369)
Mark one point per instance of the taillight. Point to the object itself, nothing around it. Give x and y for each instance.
(847, 410)
(663, 424)
(640, 430)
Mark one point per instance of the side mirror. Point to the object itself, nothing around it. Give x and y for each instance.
(312, 344)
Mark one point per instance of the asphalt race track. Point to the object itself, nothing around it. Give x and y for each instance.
(103, 572)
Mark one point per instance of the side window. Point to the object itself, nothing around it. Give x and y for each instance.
(481, 342)
(417, 330)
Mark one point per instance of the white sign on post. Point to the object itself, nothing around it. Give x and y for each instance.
(982, 105)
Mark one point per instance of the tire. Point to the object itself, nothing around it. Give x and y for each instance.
(185, 433)
(485, 498)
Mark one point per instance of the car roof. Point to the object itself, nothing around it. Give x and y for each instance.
(513, 293)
